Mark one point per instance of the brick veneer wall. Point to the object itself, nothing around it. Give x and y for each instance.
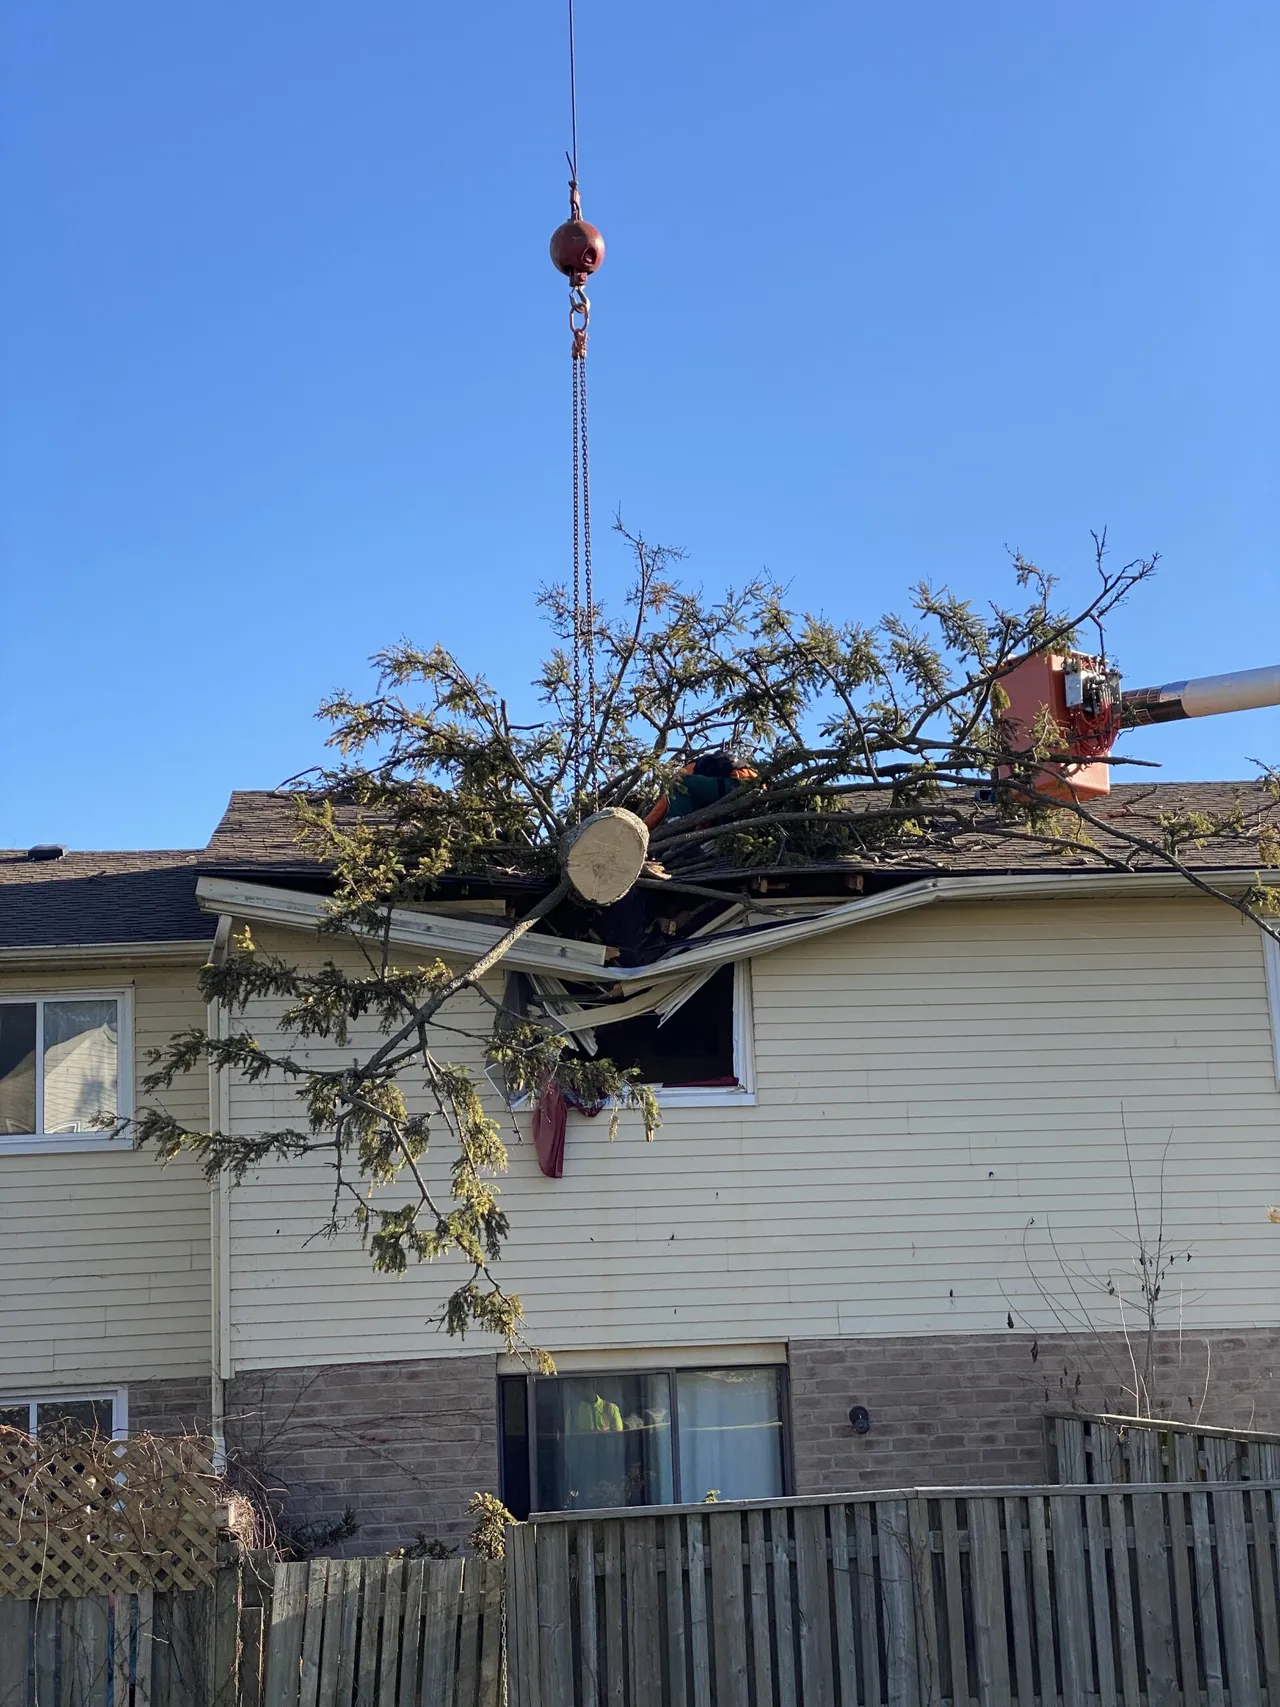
(968, 1409)
(170, 1407)
(404, 1445)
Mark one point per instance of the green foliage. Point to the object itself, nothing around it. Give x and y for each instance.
(488, 1540)
(866, 740)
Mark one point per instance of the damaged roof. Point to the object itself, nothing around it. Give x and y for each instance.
(259, 829)
(103, 898)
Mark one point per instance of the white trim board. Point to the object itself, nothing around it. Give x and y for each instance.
(1271, 960)
(425, 931)
(540, 953)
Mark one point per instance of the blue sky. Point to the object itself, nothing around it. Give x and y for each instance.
(888, 290)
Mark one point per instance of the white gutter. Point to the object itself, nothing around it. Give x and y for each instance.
(586, 960)
(425, 931)
(53, 955)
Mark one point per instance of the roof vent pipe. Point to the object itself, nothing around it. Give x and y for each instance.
(47, 850)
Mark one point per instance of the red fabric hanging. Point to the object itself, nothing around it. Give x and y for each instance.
(549, 1120)
(550, 1117)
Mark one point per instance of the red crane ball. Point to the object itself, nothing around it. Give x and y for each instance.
(577, 249)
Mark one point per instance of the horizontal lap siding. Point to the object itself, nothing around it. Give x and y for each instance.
(104, 1256)
(937, 1092)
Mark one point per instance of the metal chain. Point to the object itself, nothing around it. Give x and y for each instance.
(583, 591)
(576, 734)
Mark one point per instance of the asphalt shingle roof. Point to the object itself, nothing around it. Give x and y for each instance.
(89, 898)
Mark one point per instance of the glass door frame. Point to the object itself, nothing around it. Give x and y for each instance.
(672, 1372)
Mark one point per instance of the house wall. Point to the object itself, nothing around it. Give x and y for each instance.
(105, 1256)
(955, 1110)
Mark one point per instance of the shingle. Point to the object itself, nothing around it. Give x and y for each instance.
(88, 898)
(259, 832)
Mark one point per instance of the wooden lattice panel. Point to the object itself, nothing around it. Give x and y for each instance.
(98, 1516)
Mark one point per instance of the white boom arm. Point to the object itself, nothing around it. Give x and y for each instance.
(1204, 696)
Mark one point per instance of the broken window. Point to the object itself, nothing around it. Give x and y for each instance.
(693, 1047)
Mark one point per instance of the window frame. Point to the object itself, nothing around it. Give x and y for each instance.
(743, 1094)
(116, 1397)
(672, 1371)
(41, 1142)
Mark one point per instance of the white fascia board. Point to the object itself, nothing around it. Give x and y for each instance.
(1075, 886)
(70, 955)
(427, 932)
(586, 960)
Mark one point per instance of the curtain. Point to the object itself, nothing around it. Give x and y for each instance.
(730, 1434)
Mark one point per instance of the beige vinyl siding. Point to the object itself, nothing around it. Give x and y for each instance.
(942, 1098)
(105, 1256)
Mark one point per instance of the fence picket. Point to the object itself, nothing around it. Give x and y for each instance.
(1067, 1537)
(614, 1642)
(522, 1620)
(491, 1648)
(411, 1637)
(588, 1618)
(758, 1596)
(953, 1591)
(392, 1610)
(284, 1640)
(143, 1648)
(986, 1573)
(902, 1678)
(1261, 1504)
(1122, 1579)
(817, 1681)
(1235, 1597)
(640, 1550)
(1152, 1557)
(370, 1617)
(1207, 1596)
(555, 1640)
(783, 1624)
(699, 1644)
(312, 1632)
(1019, 1604)
(468, 1674)
(842, 1598)
(15, 1651)
(348, 1631)
(868, 1603)
(673, 1582)
(1097, 1547)
(122, 1615)
(439, 1655)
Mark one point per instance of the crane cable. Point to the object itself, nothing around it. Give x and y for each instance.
(577, 250)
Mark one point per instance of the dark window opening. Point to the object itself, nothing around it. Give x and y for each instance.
(598, 1442)
(694, 1047)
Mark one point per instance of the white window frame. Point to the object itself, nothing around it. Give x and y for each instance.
(29, 1143)
(117, 1397)
(741, 1095)
(1271, 962)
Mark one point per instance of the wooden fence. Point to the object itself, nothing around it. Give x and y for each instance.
(184, 1648)
(386, 1633)
(1131, 1596)
(1108, 1449)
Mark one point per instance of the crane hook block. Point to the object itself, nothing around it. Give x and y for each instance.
(577, 249)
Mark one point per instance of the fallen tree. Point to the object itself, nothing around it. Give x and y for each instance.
(849, 749)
